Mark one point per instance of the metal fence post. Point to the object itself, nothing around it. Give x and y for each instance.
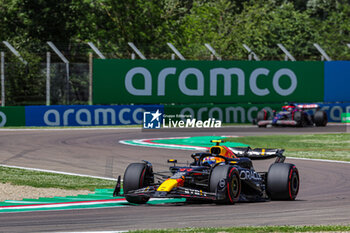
(15, 52)
(324, 55)
(287, 53)
(67, 83)
(2, 79)
(172, 47)
(137, 51)
(96, 50)
(64, 59)
(251, 54)
(213, 52)
(48, 78)
(90, 77)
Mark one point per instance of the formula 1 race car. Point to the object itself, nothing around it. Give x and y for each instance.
(222, 175)
(294, 115)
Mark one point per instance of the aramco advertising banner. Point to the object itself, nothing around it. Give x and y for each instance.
(117, 81)
(87, 115)
(337, 81)
(12, 116)
(226, 113)
(245, 113)
(103, 115)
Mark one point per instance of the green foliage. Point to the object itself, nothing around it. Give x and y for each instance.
(24, 81)
(207, 22)
(262, 27)
(335, 32)
(225, 24)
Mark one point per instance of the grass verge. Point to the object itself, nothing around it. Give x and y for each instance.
(256, 229)
(38, 179)
(316, 146)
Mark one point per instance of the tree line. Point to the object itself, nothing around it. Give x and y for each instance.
(225, 24)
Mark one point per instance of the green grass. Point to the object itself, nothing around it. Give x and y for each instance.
(255, 229)
(317, 146)
(37, 179)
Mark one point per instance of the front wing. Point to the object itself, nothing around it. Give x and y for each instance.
(178, 192)
(278, 123)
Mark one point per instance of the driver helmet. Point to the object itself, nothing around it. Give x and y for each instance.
(209, 160)
(289, 108)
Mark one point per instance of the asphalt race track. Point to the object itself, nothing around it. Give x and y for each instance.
(324, 196)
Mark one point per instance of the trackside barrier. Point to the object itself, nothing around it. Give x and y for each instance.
(86, 115)
(104, 115)
(337, 81)
(226, 113)
(12, 116)
(245, 113)
(345, 117)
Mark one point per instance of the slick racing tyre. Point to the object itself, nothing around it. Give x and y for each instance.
(320, 118)
(136, 176)
(299, 117)
(282, 181)
(262, 115)
(228, 176)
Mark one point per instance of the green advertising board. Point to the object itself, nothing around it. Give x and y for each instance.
(226, 113)
(12, 116)
(118, 81)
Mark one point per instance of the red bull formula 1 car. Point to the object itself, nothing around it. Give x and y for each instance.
(222, 175)
(294, 115)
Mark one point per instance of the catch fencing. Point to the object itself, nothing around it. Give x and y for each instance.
(55, 74)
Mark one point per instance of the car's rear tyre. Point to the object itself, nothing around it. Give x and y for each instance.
(283, 181)
(299, 117)
(233, 183)
(136, 176)
(262, 115)
(320, 118)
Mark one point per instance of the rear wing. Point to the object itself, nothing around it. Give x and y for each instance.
(308, 106)
(258, 153)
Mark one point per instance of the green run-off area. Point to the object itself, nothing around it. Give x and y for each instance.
(203, 141)
(101, 198)
(315, 146)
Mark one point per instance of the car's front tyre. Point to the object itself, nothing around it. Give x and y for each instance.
(230, 175)
(136, 176)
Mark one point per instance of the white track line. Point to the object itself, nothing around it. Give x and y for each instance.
(320, 160)
(61, 205)
(58, 172)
